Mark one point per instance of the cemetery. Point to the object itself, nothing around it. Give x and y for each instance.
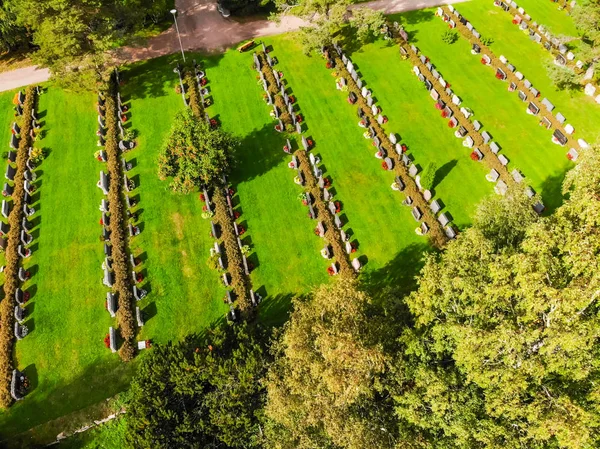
(355, 160)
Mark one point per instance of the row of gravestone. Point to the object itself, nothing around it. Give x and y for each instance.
(432, 76)
(534, 104)
(128, 184)
(23, 250)
(434, 205)
(216, 250)
(314, 169)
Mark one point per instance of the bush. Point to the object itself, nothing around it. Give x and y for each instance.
(450, 36)
(486, 40)
(428, 176)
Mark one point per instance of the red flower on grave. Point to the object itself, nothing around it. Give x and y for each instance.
(438, 106)
(328, 65)
(202, 197)
(338, 207)
(404, 148)
(305, 203)
(498, 76)
(139, 277)
(444, 114)
(569, 156)
(213, 122)
(280, 74)
(286, 149)
(384, 165)
(326, 183)
(125, 108)
(107, 341)
(514, 21)
(450, 124)
(101, 222)
(483, 61)
(204, 208)
(99, 158)
(236, 214)
(374, 144)
(123, 118)
(385, 119)
(203, 82)
(330, 271)
(317, 232)
(292, 99)
(299, 118)
(241, 230)
(474, 156)
(26, 296)
(231, 191)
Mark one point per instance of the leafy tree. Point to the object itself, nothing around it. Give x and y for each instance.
(564, 78)
(586, 16)
(450, 36)
(244, 7)
(327, 19)
(210, 396)
(427, 178)
(322, 389)
(504, 349)
(12, 35)
(194, 154)
(73, 35)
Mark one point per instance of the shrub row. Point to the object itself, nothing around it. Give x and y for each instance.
(11, 271)
(312, 187)
(436, 233)
(123, 283)
(278, 100)
(240, 283)
(511, 78)
(194, 94)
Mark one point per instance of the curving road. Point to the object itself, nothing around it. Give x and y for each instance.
(203, 28)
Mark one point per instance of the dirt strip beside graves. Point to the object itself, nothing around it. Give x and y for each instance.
(315, 189)
(496, 64)
(436, 232)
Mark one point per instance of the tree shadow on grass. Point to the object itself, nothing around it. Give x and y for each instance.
(551, 191)
(275, 310)
(155, 77)
(257, 154)
(398, 276)
(444, 171)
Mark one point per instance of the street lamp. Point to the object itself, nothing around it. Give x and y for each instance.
(174, 12)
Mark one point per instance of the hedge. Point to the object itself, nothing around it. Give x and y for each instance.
(436, 234)
(123, 285)
(11, 271)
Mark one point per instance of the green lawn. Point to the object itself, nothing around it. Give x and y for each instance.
(460, 182)
(531, 59)
(527, 145)
(547, 13)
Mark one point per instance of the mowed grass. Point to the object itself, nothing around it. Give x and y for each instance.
(64, 354)
(286, 251)
(527, 145)
(546, 13)
(531, 59)
(383, 227)
(184, 294)
(460, 183)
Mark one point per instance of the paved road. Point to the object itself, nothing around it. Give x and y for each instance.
(203, 28)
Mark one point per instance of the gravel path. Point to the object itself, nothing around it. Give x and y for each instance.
(203, 28)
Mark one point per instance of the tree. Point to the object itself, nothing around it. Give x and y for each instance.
(195, 154)
(564, 78)
(450, 36)
(203, 392)
(327, 18)
(73, 35)
(586, 16)
(503, 352)
(244, 7)
(322, 389)
(427, 179)
(12, 35)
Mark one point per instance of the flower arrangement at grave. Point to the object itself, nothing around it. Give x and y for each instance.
(207, 214)
(297, 180)
(330, 271)
(367, 134)
(384, 165)
(286, 149)
(474, 156)
(107, 338)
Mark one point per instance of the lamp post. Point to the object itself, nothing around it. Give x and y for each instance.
(174, 12)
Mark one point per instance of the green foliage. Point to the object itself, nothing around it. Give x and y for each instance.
(487, 40)
(244, 7)
(322, 389)
(194, 154)
(12, 35)
(586, 16)
(450, 36)
(564, 78)
(204, 392)
(428, 176)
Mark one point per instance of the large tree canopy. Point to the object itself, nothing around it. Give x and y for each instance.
(73, 35)
(12, 35)
(195, 154)
(204, 392)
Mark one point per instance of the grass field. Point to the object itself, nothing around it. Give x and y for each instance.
(64, 355)
(527, 145)
(547, 13)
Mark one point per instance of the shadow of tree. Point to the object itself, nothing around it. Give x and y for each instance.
(551, 191)
(443, 171)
